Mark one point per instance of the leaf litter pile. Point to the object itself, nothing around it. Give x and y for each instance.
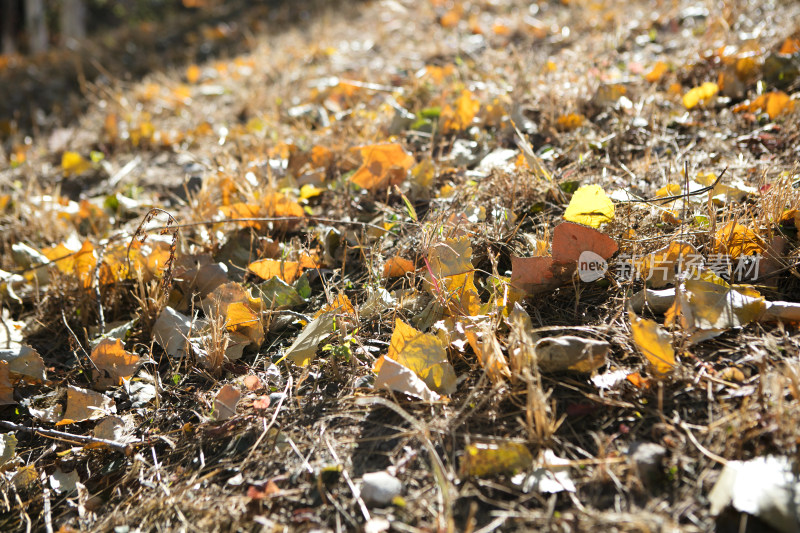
(422, 266)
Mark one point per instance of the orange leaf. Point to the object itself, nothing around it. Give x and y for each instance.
(192, 73)
(383, 165)
(113, 363)
(279, 205)
(397, 266)
(79, 263)
(240, 318)
(659, 69)
(242, 210)
(288, 271)
(735, 239)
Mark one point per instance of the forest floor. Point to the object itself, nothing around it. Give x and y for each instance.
(252, 255)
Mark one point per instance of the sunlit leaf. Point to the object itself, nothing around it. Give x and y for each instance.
(657, 72)
(450, 275)
(241, 318)
(700, 95)
(397, 266)
(80, 263)
(654, 342)
(85, 405)
(570, 122)
(736, 240)
(304, 348)
(394, 376)
(490, 354)
(460, 116)
(8, 447)
(590, 206)
(192, 73)
(664, 265)
(288, 271)
(113, 364)
(382, 165)
(493, 459)
(424, 354)
(24, 363)
(74, 164)
(225, 402)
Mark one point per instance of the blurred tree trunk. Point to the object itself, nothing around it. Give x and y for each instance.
(36, 24)
(73, 20)
(9, 29)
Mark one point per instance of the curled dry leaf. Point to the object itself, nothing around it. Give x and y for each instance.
(24, 363)
(83, 404)
(568, 353)
(225, 402)
(394, 376)
(489, 352)
(171, 331)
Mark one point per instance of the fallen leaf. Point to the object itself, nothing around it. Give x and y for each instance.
(460, 116)
(570, 122)
(266, 269)
(383, 165)
(657, 72)
(394, 376)
(83, 404)
(396, 267)
(171, 331)
(261, 403)
(552, 476)
(700, 95)
(568, 353)
(735, 240)
(8, 447)
(304, 348)
(590, 206)
(6, 389)
(115, 429)
(654, 342)
(490, 354)
(665, 265)
(493, 459)
(73, 164)
(451, 277)
(277, 294)
(571, 240)
(424, 354)
(24, 363)
(225, 402)
(112, 363)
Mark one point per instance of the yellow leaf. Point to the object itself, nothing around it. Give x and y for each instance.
(654, 342)
(490, 354)
(309, 191)
(460, 117)
(240, 318)
(590, 206)
(660, 267)
(450, 276)
(73, 164)
(383, 165)
(424, 354)
(735, 240)
(570, 122)
(288, 271)
(192, 73)
(340, 305)
(79, 263)
(492, 459)
(700, 94)
(670, 189)
(280, 205)
(113, 363)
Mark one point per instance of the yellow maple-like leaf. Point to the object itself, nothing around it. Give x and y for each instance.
(73, 164)
(701, 94)
(424, 354)
(341, 305)
(113, 363)
(460, 116)
(80, 263)
(288, 271)
(451, 276)
(654, 342)
(736, 239)
(382, 165)
(590, 206)
(241, 318)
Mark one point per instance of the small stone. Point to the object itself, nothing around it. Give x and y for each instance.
(380, 488)
(648, 458)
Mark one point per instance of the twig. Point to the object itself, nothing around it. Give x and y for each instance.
(48, 516)
(705, 451)
(63, 435)
(678, 196)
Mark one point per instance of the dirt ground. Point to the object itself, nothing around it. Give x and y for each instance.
(151, 169)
